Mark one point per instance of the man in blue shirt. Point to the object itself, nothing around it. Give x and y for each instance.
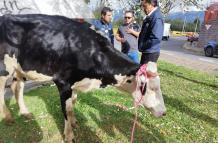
(151, 33)
(104, 26)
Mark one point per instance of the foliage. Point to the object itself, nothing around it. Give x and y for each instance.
(165, 5)
(177, 25)
(103, 116)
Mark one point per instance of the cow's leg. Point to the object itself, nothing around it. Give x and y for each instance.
(18, 89)
(73, 117)
(70, 122)
(3, 108)
(67, 101)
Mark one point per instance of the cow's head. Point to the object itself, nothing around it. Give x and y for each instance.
(145, 89)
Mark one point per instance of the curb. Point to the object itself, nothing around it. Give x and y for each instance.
(193, 47)
(29, 85)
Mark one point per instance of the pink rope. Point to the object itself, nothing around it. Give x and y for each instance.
(141, 71)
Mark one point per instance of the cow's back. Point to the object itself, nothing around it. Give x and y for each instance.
(56, 44)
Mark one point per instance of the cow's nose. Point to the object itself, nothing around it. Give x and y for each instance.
(164, 114)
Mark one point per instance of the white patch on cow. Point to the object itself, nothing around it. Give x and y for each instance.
(152, 67)
(15, 70)
(3, 108)
(92, 50)
(124, 85)
(33, 75)
(86, 85)
(68, 130)
(71, 120)
(19, 87)
(10, 63)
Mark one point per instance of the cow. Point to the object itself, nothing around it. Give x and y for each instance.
(73, 56)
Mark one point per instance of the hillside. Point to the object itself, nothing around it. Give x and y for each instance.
(190, 16)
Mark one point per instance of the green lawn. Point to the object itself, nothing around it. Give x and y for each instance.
(192, 114)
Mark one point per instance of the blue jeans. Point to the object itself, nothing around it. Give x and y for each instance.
(134, 56)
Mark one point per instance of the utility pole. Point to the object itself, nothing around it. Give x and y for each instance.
(183, 27)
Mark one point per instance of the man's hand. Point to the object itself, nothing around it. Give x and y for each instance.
(130, 30)
(122, 40)
(119, 38)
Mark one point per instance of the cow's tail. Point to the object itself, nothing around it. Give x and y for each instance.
(32, 75)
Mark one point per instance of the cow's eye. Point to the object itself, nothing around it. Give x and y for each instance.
(129, 81)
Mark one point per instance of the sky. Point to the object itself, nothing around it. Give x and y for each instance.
(204, 4)
(47, 6)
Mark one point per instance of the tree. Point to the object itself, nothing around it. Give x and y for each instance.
(165, 5)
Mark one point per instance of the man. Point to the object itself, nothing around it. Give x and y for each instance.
(151, 33)
(104, 25)
(128, 34)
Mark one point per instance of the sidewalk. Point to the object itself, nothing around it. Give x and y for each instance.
(29, 85)
(193, 47)
(195, 62)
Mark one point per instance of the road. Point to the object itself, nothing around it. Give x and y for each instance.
(172, 51)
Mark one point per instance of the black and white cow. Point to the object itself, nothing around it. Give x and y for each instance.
(75, 57)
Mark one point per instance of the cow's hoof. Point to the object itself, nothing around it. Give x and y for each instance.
(74, 124)
(73, 141)
(8, 121)
(70, 141)
(27, 116)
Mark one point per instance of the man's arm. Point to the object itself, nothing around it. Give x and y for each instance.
(157, 29)
(156, 34)
(118, 37)
(133, 32)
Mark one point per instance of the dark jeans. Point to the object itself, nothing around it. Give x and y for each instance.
(146, 57)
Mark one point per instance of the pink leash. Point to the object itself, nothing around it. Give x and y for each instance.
(140, 72)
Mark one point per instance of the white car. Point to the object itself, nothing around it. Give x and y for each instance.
(166, 33)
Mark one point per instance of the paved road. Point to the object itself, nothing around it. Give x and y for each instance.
(173, 52)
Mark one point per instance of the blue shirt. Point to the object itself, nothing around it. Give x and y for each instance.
(106, 29)
(151, 33)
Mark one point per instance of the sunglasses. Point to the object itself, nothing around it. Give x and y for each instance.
(127, 17)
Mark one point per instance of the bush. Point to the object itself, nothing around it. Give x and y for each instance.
(177, 25)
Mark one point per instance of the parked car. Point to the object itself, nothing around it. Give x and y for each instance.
(211, 49)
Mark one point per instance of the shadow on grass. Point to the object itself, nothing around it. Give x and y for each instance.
(110, 122)
(83, 133)
(22, 131)
(189, 79)
(111, 119)
(180, 106)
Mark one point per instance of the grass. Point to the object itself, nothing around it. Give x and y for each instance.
(191, 99)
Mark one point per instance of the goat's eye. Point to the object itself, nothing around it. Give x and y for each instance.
(129, 81)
